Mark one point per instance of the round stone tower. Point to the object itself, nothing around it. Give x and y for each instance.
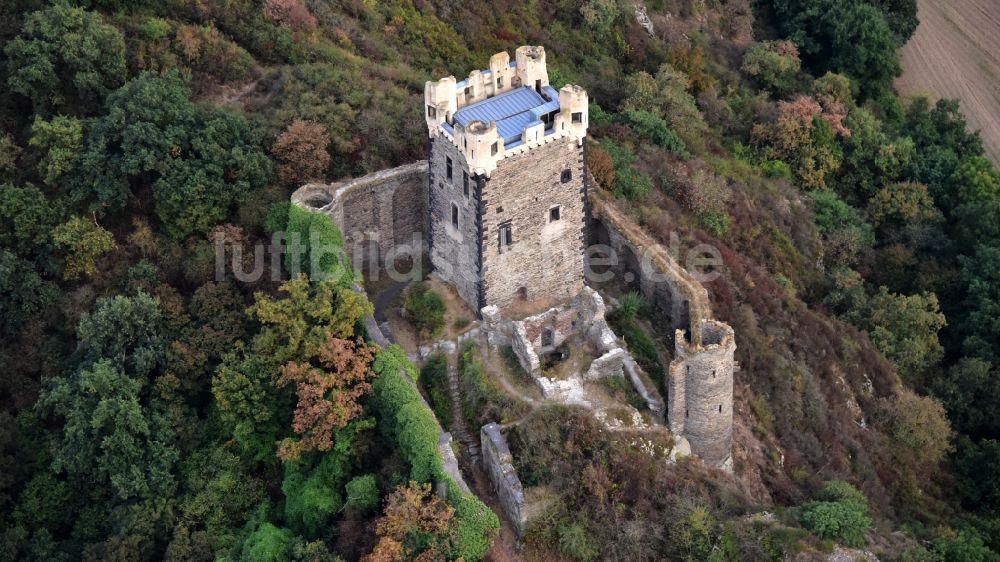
(700, 393)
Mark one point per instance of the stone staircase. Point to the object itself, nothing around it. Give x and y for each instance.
(459, 429)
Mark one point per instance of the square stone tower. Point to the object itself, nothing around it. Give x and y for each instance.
(507, 193)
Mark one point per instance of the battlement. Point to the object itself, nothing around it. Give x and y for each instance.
(504, 110)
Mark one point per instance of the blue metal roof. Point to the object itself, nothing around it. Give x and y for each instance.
(513, 111)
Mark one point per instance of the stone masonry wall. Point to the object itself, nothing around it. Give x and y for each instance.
(499, 465)
(375, 212)
(700, 378)
(546, 258)
(455, 253)
(701, 393)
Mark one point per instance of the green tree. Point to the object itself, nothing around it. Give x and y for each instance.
(60, 141)
(297, 326)
(66, 59)
(970, 391)
(128, 332)
(268, 544)
(905, 329)
(425, 309)
(775, 64)
(200, 162)
(980, 322)
(83, 242)
(107, 437)
(23, 292)
(27, 219)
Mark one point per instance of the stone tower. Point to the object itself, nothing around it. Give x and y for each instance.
(700, 392)
(506, 192)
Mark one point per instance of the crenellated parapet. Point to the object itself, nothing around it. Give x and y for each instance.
(504, 110)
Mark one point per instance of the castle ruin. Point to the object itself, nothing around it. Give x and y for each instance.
(503, 211)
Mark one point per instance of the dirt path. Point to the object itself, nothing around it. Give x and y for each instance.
(955, 53)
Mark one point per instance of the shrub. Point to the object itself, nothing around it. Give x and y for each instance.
(425, 309)
(840, 513)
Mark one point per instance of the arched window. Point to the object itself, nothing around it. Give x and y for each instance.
(454, 215)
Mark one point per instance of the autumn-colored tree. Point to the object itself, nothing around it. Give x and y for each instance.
(601, 166)
(802, 136)
(327, 396)
(416, 526)
(301, 151)
(290, 13)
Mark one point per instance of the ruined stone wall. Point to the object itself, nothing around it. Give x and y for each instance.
(700, 378)
(545, 261)
(499, 465)
(376, 212)
(455, 252)
(676, 296)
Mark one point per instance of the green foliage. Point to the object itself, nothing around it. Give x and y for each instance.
(24, 294)
(966, 546)
(840, 513)
(66, 60)
(976, 470)
(296, 326)
(313, 497)
(654, 128)
(268, 544)
(476, 526)
(905, 329)
(83, 242)
(970, 390)
(362, 494)
(126, 331)
(630, 305)
(199, 161)
(483, 401)
(425, 309)
(981, 322)
(61, 142)
(27, 218)
(575, 542)
(434, 381)
(315, 243)
(852, 37)
(775, 64)
(108, 437)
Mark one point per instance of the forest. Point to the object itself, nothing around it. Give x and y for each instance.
(153, 410)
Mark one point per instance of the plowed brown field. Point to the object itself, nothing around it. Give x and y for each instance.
(955, 53)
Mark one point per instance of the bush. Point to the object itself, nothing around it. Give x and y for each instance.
(840, 513)
(425, 309)
(482, 400)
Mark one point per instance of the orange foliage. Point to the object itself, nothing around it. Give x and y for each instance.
(290, 13)
(327, 398)
(301, 151)
(411, 510)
